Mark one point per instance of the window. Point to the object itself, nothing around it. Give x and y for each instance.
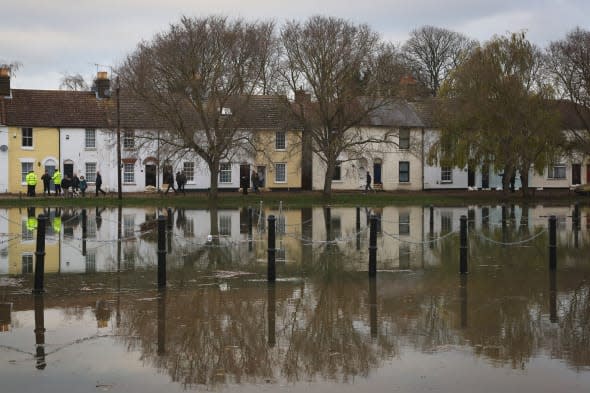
(26, 232)
(446, 222)
(224, 225)
(404, 139)
(27, 263)
(446, 174)
(225, 172)
(25, 168)
(128, 173)
(189, 171)
(128, 139)
(91, 172)
(337, 171)
(404, 223)
(404, 172)
(280, 172)
(557, 172)
(27, 137)
(128, 225)
(90, 261)
(90, 138)
(280, 142)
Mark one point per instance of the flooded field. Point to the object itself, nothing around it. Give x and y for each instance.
(102, 324)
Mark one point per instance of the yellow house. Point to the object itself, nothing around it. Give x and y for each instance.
(279, 158)
(21, 256)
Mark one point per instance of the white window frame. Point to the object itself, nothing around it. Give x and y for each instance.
(225, 225)
(90, 175)
(128, 173)
(189, 170)
(225, 173)
(279, 172)
(280, 140)
(404, 223)
(90, 138)
(129, 139)
(404, 139)
(25, 167)
(27, 259)
(554, 172)
(446, 174)
(28, 138)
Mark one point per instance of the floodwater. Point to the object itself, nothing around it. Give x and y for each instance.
(101, 325)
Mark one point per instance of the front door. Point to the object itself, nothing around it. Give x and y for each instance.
(50, 169)
(576, 174)
(470, 178)
(150, 175)
(377, 173)
(69, 170)
(245, 175)
(485, 177)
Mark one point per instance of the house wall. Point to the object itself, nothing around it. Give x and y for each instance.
(433, 173)
(353, 172)
(268, 156)
(45, 147)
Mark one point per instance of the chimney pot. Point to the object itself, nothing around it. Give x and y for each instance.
(4, 81)
(103, 84)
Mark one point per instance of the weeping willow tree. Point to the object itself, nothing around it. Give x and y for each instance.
(496, 110)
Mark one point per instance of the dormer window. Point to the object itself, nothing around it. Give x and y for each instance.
(225, 111)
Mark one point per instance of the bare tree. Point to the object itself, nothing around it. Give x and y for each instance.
(568, 61)
(431, 52)
(74, 82)
(196, 79)
(349, 72)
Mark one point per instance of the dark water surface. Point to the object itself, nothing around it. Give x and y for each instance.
(510, 325)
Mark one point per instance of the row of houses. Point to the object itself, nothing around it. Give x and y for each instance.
(42, 130)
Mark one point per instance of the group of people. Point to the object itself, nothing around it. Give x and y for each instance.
(180, 181)
(66, 185)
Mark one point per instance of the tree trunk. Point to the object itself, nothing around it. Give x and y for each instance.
(506, 180)
(328, 179)
(524, 180)
(214, 182)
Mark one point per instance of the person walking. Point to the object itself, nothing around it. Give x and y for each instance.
(98, 183)
(170, 180)
(66, 183)
(181, 180)
(255, 181)
(368, 185)
(75, 185)
(31, 180)
(83, 185)
(46, 178)
(57, 181)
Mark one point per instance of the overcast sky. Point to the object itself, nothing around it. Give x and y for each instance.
(55, 37)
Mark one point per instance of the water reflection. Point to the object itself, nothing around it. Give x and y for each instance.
(220, 323)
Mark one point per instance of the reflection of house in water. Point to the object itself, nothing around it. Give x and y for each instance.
(5, 316)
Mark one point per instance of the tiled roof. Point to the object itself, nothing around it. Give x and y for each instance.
(54, 108)
(395, 114)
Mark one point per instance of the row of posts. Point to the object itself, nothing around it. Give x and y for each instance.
(165, 225)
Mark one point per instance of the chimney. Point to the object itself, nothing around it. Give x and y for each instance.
(102, 84)
(4, 81)
(302, 97)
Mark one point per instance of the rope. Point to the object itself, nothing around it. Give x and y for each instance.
(512, 243)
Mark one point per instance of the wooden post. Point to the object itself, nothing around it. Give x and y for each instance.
(373, 246)
(463, 247)
(84, 231)
(161, 251)
(40, 254)
(552, 243)
(271, 269)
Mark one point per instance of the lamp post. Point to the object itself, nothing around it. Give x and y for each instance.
(119, 189)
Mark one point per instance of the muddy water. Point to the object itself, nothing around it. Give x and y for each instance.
(102, 325)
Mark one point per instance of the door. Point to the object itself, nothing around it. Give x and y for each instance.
(244, 175)
(261, 176)
(577, 174)
(50, 168)
(377, 173)
(150, 175)
(587, 173)
(485, 177)
(470, 178)
(69, 170)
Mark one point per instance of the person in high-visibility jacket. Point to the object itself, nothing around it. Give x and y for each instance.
(57, 181)
(31, 180)
(31, 223)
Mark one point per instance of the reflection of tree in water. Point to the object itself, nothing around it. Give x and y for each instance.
(223, 339)
(575, 329)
